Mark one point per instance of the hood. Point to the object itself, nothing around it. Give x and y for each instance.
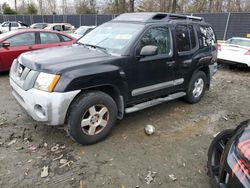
(59, 59)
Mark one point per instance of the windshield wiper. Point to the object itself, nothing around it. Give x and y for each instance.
(96, 47)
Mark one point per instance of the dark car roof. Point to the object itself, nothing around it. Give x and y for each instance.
(152, 17)
(19, 31)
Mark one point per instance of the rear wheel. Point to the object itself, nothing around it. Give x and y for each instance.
(92, 117)
(196, 87)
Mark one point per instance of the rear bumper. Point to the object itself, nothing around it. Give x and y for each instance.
(49, 108)
(213, 69)
(240, 64)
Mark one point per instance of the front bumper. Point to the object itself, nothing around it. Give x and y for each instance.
(49, 108)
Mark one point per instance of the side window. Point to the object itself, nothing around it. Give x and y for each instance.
(6, 25)
(57, 28)
(65, 39)
(14, 24)
(49, 38)
(207, 36)
(22, 39)
(159, 37)
(185, 38)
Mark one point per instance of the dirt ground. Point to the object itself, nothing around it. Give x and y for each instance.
(178, 147)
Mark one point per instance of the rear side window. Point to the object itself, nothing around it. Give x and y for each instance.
(65, 39)
(207, 36)
(14, 24)
(49, 38)
(160, 37)
(22, 39)
(185, 38)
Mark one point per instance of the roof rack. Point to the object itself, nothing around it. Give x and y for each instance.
(156, 16)
(179, 16)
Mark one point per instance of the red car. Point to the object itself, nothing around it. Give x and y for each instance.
(13, 43)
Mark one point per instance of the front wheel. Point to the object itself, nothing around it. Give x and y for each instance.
(92, 117)
(196, 87)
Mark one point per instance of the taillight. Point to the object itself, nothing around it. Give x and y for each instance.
(219, 47)
(248, 52)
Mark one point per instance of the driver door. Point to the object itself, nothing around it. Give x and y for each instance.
(152, 76)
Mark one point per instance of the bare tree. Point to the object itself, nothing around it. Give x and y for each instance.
(174, 4)
(132, 5)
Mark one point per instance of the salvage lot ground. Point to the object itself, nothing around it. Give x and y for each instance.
(179, 146)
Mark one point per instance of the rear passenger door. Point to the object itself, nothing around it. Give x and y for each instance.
(187, 48)
(47, 39)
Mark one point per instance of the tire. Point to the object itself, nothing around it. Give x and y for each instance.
(92, 117)
(199, 78)
(215, 151)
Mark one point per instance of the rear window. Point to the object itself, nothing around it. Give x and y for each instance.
(207, 36)
(65, 39)
(240, 42)
(49, 38)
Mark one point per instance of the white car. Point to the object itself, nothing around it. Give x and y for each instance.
(82, 30)
(235, 51)
(65, 27)
(11, 25)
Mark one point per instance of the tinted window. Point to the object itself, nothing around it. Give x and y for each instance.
(22, 39)
(207, 36)
(159, 37)
(185, 38)
(65, 38)
(49, 38)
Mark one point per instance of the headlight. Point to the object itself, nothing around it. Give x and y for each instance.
(46, 82)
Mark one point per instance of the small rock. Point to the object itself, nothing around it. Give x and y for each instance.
(12, 142)
(19, 148)
(63, 147)
(45, 172)
(172, 177)
(55, 148)
(45, 145)
(32, 148)
(57, 158)
(63, 161)
(150, 177)
(225, 118)
(149, 129)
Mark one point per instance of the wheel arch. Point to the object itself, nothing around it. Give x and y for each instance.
(110, 90)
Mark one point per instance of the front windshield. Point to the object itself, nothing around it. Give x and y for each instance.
(115, 37)
(240, 42)
(80, 31)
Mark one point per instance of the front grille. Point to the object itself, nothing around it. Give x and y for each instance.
(23, 76)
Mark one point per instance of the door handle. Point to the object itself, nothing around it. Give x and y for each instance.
(170, 63)
(30, 48)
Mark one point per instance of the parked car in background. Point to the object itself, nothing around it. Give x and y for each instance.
(66, 27)
(13, 43)
(229, 158)
(133, 62)
(10, 26)
(39, 25)
(235, 51)
(82, 30)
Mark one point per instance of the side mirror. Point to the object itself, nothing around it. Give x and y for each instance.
(149, 50)
(6, 44)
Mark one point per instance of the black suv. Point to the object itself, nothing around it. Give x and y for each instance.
(133, 62)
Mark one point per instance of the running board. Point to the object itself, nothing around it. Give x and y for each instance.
(153, 102)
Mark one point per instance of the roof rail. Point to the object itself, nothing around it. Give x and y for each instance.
(179, 16)
(155, 16)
